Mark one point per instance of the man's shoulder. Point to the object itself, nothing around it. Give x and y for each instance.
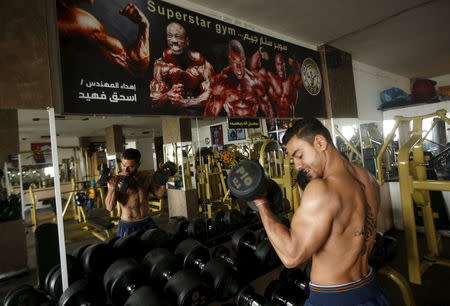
(318, 188)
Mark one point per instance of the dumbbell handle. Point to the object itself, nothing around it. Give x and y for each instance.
(300, 284)
(249, 245)
(254, 300)
(284, 301)
(227, 259)
(200, 264)
(167, 275)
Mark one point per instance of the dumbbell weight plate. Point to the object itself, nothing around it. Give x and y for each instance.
(198, 229)
(297, 277)
(121, 274)
(124, 183)
(186, 288)
(233, 218)
(274, 196)
(283, 293)
(79, 251)
(171, 166)
(247, 180)
(220, 251)
(182, 227)
(217, 220)
(97, 258)
(128, 246)
(81, 292)
(49, 276)
(266, 254)
(23, 295)
(145, 295)
(159, 264)
(218, 274)
(189, 251)
(155, 238)
(240, 236)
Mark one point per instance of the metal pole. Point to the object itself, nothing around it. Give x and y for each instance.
(19, 158)
(59, 215)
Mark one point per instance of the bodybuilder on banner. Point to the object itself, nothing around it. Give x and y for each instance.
(76, 23)
(236, 89)
(181, 77)
(281, 87)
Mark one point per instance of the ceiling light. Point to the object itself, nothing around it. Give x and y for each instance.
(146, 132)
(85, 119)
(60, 117)
(36, 119)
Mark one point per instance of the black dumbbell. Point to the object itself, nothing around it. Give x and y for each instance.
(219, 274)
(197, 229)
(248, 181)
(79, 251)
(105, 174)
(26, 295)
(53, 280)
(97, 258)
(82, 292)
(227, 219)
(123, 279)
(248, 297)
(297, 277)
(244, 242)
(161, 176)
(280, 293)
(182, 287)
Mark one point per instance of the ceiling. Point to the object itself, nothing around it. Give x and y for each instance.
(34, 125)
(405, 37)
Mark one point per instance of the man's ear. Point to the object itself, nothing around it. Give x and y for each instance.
(321, 142)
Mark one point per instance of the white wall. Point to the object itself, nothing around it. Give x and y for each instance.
(443, 80)
(369, 82)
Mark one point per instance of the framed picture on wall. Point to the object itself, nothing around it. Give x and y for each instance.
(216, 135)
(236, 134)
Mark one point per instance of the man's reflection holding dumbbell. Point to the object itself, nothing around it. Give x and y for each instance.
(131, 189)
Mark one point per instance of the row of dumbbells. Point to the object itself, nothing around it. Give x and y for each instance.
(89, 263)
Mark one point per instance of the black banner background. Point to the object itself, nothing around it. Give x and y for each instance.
(83, 66)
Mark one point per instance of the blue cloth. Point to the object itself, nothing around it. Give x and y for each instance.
(365, 292)
(126, 228)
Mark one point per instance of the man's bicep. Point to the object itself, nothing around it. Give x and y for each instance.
(312, 222)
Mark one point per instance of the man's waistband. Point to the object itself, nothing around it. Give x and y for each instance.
(344, 287)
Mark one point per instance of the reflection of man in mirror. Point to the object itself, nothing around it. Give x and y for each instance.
(283, 88)
(236, 89)
(81, 27)
(181, 76)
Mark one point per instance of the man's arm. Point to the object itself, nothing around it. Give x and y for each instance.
(160, 91)
(111, 196)
(310, 226)
(137, 58)
(159, 191)
(215, 102)
(296, 75)
(205, 88)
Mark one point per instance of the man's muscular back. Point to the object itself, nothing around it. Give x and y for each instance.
(352, 197)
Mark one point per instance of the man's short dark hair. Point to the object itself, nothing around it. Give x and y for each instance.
(307, 129)
(132, 154)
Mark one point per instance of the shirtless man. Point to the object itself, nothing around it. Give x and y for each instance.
(335, 225)
(283, 88)
(76, 23)
(134, 202)
(236, 89)
(181, 76)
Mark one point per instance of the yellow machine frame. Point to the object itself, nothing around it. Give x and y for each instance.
(415, 186)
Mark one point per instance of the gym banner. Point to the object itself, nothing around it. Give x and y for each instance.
(148, 57)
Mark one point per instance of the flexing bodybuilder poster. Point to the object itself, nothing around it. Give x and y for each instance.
(150, 57)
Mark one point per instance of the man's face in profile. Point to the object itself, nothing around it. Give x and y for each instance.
(177, 39)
